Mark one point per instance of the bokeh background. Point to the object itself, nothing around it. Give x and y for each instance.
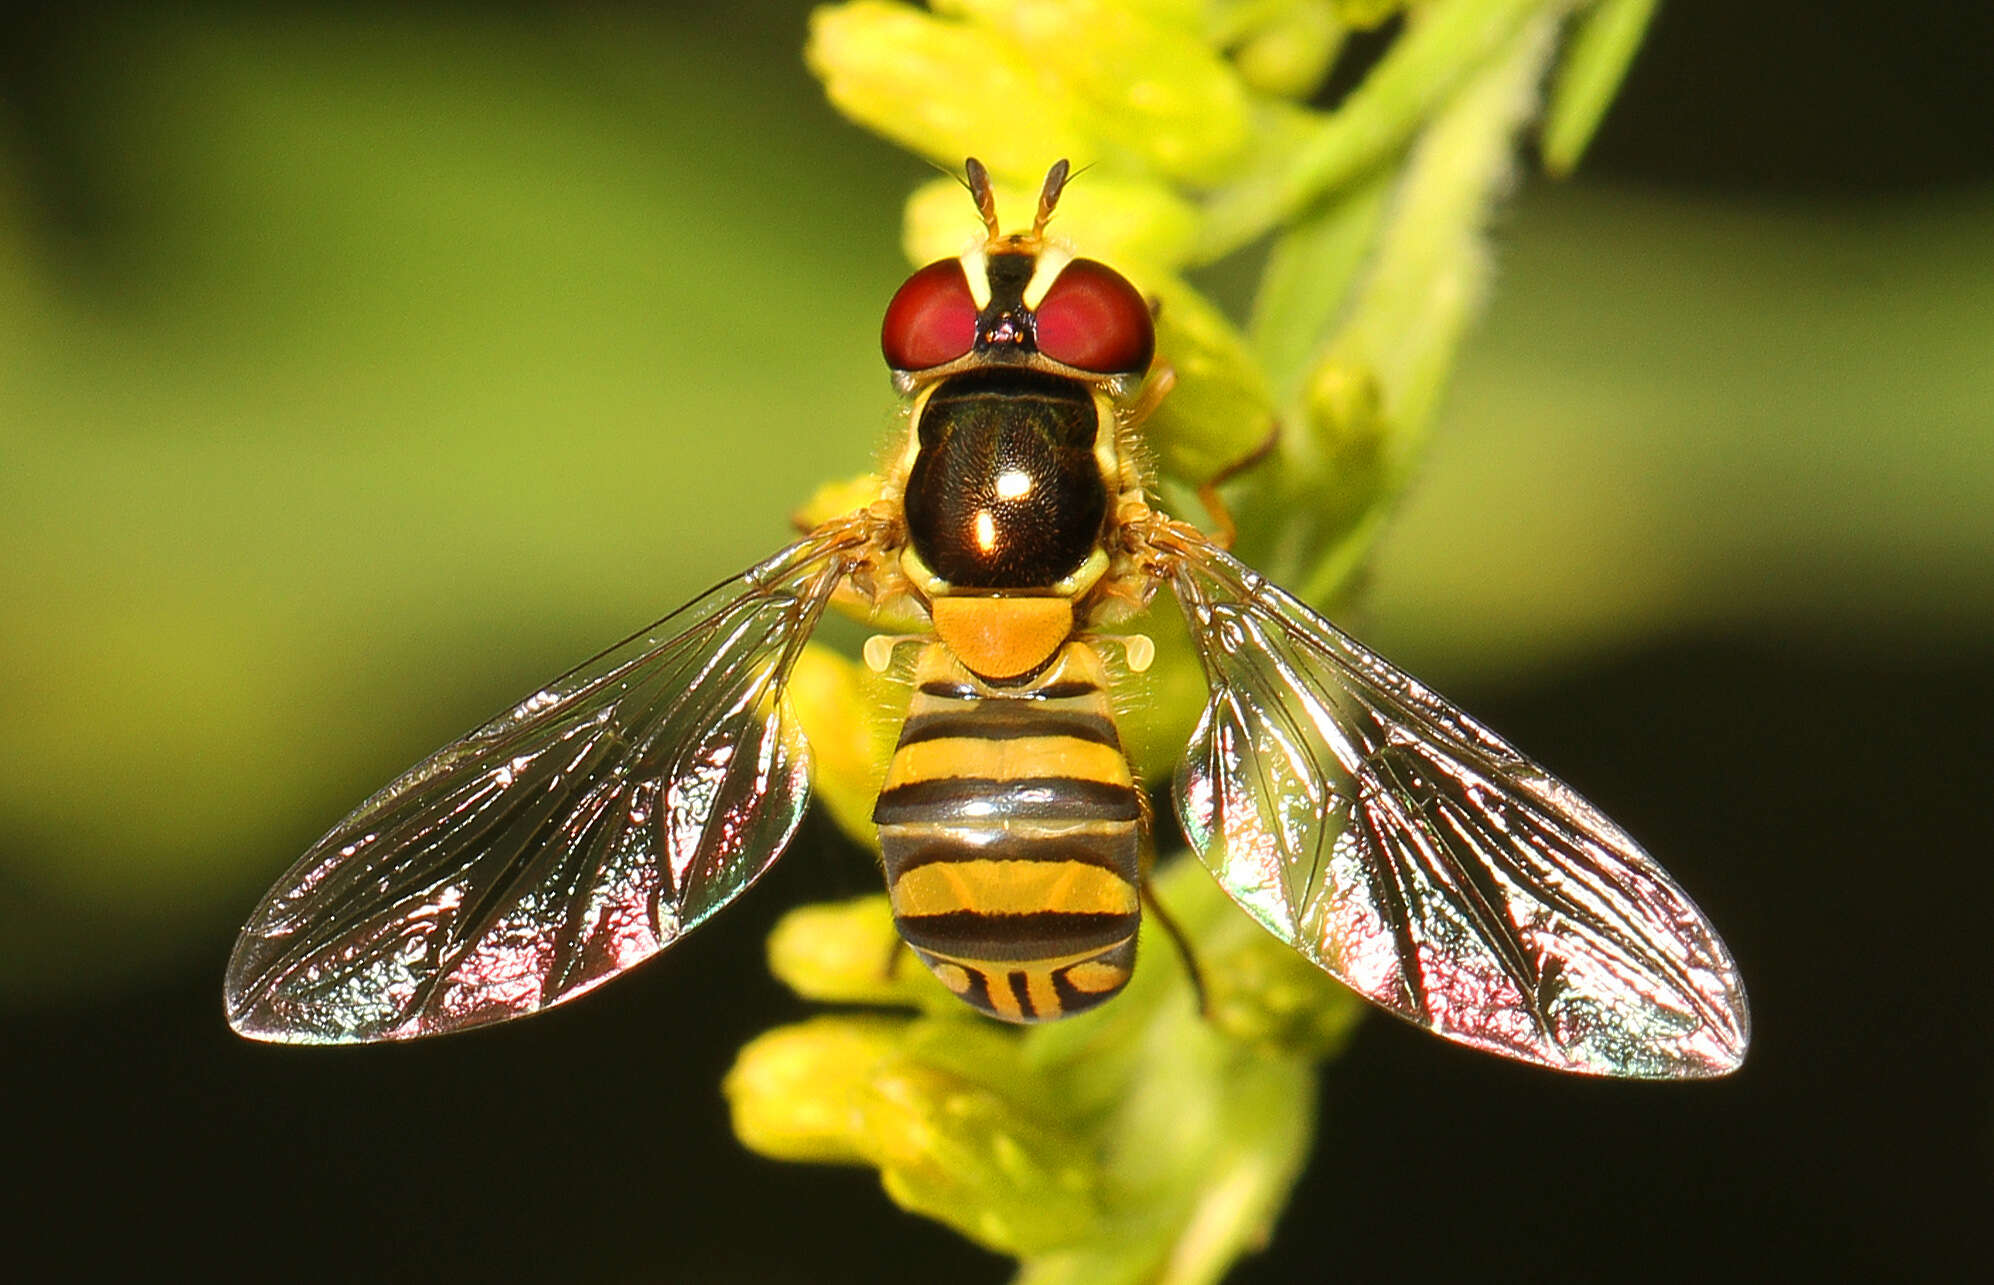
(362, 367)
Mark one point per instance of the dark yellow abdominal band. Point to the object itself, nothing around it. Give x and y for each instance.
(1009, 827)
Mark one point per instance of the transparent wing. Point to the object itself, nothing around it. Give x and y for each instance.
(559, 844)
(1413, 855)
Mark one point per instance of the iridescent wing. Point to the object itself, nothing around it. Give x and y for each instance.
(559, 844)
(1413, 855)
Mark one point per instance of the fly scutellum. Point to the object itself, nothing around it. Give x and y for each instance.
(1390, 838)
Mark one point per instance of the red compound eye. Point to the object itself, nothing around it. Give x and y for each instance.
(931, 320)
(1094, 320)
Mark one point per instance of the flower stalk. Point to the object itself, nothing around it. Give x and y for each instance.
(1145, 1141)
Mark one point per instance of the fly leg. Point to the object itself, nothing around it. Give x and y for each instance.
(1170, 928)
(1225, 530)
(1131, 451)
(890, 966)
(1183, 945)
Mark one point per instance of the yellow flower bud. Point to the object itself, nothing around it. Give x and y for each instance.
(1345, 415)
(794, 1091)
(848, 952)
(949, 1147)
(1293, 52)
(836, 499)
(839, 703)
(1138, 225)
(1221, 412)
(945, 89)
(1157, 92)
(1266, 996)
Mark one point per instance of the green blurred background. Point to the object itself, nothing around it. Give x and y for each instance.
(359, 369)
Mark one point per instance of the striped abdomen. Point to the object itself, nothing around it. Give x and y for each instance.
(1011, 833)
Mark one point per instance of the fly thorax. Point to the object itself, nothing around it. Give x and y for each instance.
(1005, 491)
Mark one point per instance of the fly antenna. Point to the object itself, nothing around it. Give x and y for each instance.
(1055, 183)
(986, 200)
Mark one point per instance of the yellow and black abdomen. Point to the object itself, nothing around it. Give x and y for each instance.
(1011, 830)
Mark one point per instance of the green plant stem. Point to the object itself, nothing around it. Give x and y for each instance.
(1448, 42)
(1425, 282)
(1603, 43)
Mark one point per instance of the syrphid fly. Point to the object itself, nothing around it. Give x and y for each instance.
(1388, 837)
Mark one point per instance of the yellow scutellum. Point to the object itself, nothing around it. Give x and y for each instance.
(1143, 1142)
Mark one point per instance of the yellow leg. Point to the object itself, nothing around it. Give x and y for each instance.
(1158, 386)
(1224, 528)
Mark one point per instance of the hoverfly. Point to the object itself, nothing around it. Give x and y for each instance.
(1391, 839)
